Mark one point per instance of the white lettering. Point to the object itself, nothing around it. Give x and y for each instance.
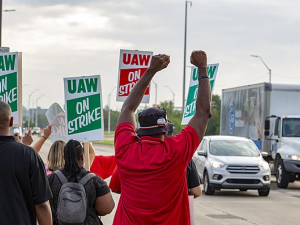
(84, 120)
(3, 85)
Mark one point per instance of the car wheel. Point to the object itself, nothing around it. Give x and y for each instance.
(207, 189)
(292, 178)
(264, 191)
(243, 189)
(282, 176)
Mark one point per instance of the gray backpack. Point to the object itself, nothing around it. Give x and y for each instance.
(71, 204)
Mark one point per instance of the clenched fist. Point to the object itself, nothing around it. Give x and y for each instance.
(198, 58)
(159, 62)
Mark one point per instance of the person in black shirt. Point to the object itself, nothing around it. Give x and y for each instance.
(24, 188)
(193, 180)
(192, 177)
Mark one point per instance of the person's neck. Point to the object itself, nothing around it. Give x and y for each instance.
(160, 136)
(4, 132)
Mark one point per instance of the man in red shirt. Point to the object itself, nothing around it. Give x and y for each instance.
(152, 168)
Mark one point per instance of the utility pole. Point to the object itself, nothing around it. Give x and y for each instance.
(155, 92)
(108, 104)
(257, 56)
(29, 108)
(0, 23)
(36, 110)
(184, 54)
(7, 10)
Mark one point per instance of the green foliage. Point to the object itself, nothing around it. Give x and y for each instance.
(114, 115)
(173, 115)
(213, 127)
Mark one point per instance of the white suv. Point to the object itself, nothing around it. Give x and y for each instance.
(228, 162)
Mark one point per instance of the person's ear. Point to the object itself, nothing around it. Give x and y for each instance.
(11, 122)
(166, 134)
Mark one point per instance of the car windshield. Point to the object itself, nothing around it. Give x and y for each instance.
(291, 127)
(233, 148)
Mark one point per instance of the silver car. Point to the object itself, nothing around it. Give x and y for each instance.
(228, 162)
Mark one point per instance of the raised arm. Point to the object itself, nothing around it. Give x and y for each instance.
(27, 139)
(38, 145)
(203, 103)
(158, 62)
(92, 153)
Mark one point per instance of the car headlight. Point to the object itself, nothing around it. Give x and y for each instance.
(216, 164)
(293, 157)
(264, 166)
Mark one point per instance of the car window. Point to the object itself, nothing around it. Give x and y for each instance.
(233, 148)
(204, 146)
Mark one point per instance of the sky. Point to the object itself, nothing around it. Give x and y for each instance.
(79, 38)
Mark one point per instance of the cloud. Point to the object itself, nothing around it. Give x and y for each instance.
(73, 38)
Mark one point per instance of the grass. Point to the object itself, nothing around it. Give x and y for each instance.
(111, 133)
(104, 142)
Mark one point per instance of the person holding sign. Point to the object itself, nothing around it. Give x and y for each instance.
(152, 168)
(24, 189)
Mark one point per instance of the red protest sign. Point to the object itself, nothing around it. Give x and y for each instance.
(133, 64)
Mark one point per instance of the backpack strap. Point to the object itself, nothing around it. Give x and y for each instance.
(86, 178)
(61, 176)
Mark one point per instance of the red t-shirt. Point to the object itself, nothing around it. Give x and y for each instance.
(103, 166)
(153, 177)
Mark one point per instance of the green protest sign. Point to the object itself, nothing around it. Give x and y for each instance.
(84, 113)
(190, 105)
(11, 83)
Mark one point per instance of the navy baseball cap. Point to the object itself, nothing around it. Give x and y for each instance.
(153, 121)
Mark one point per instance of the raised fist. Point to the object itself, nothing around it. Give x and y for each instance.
(159, 62)
(198, 58)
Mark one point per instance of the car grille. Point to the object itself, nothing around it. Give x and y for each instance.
(243, 169)
(242, 181)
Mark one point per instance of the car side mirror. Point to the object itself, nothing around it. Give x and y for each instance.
(202, 153)
(264, 154)
(267, 124)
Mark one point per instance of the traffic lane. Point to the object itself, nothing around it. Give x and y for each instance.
(234, 207)
(230, 207)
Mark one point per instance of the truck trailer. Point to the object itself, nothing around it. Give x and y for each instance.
(269, 115)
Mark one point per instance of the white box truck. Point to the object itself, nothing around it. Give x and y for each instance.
(268, 114)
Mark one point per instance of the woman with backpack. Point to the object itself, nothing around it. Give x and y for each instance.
(79, 196)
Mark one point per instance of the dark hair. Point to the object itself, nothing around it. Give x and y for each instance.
(73, 152)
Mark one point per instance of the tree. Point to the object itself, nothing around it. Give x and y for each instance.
(213, 127)
(173, 115)
(114, 115)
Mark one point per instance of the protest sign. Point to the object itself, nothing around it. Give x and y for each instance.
(190, 105)
(57, 120)
(11, 83)
(84, 113)
(132, 66)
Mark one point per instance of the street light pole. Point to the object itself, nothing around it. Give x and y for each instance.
(108, 104)
(184, 54)
(0, 23)
(7, 10)
(36, 110)
(155, 92)
(29, 109)
(265, 66)
(173, 95)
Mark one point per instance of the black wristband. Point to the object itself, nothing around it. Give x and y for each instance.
(201, 77)
(44, 137)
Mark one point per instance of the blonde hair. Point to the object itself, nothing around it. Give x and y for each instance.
(56, 156)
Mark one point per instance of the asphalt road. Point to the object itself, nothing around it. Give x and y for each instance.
(231, 207)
